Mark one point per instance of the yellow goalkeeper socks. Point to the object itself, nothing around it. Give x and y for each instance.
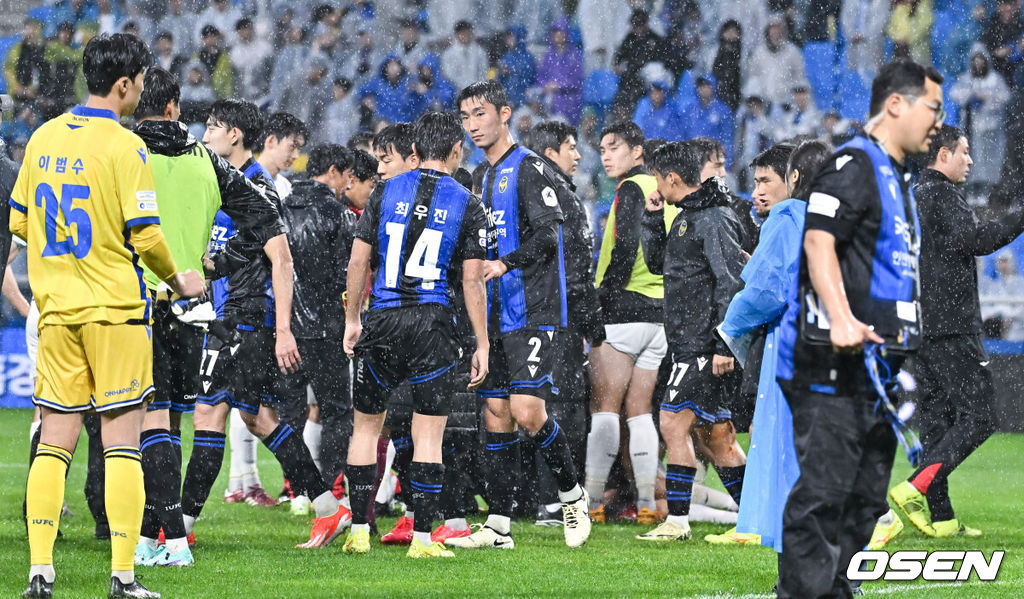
(125, 500)
(44, 498)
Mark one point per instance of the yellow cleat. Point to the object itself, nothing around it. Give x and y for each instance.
(358, 541)
(954, 528)
(667, 531)
(597, 514)
(645, 516)
(731, 537)
(914, 506)
(886, 529)
(418, 550)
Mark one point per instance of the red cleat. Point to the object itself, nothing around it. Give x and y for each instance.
(234, 496)
(258, 497)
(327, 529)
(161, 539)
(443, 533)
(338, 489)
(627, 514)
(401, 534)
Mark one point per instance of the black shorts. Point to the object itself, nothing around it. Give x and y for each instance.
(523, 362)
(239, 366)
(415, 344)
(177, 351)
(692, 386)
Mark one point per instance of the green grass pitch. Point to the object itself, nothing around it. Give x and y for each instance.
(247, 552)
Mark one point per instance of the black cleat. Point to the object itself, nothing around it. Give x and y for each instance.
(38, 588)
(134, 590)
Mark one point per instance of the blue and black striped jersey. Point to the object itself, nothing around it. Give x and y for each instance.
(421, 224)
(519, 194)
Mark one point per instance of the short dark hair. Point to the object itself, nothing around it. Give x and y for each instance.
(679, 157)
(651, 145)
(807, 159)
(107, 58)
(463, 25)
(947, 137)
(627, 131)
(283, 124)
(165, 35)
(900, 77)
(244, 116)
(707, 147)
(436, 134)
(243, 23)
(398, 137)
(550, 134)
(161, 89)
(490, 91)
(360, 138)
(775, 158)
(324, 156)
(344, 83)
(364, 165)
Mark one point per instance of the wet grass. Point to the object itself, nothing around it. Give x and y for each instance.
(247, 552)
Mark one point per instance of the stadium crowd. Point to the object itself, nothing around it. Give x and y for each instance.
(625, 276)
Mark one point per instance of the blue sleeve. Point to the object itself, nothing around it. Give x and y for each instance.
(767, 275)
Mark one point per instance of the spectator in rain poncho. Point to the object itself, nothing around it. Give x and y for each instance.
(863, 25)
(710, 117)
(982, 95)
(430, 89)
(517, 69)
(342, 116)
(1002, 319)
(776, 66)
(910, 29)
(657, 115)
(388, 94)
(561, 74)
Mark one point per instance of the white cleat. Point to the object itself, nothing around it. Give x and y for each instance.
(485, 536)
(576, 520)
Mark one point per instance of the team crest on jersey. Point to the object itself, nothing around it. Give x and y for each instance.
(682, 227)
(503, 184)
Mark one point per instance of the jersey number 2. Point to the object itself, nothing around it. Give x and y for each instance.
(71, 216)
(421, 264)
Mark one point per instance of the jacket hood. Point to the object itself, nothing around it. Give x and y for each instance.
(383, 71)
(430, 60)
(711, 192)
(519, 32)
(169, 138)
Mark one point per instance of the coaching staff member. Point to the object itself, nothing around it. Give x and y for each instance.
(860, 269)
(957, 408)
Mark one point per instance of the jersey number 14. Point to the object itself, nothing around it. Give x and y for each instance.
(421, 264)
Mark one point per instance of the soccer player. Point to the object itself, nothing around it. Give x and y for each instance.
(85, 202)
(251, 340)
(701, 259)
(416, 228)
(191, 184)
(625, 368)
(770, 178)
(555, 143)
(320, 234)
(284, 135)
(528, 311)
(393, 148)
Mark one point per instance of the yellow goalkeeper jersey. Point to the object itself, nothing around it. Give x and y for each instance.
(85, 181)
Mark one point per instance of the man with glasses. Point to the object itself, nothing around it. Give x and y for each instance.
(857, 287)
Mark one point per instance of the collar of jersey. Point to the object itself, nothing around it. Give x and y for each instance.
(80, 110)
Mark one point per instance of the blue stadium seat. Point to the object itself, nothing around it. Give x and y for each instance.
(853, 97)
(42, 13)
(820, 63)
(599, 89)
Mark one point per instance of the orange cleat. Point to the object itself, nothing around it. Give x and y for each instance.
(401, 534)
(326, 529)
(443, 533)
